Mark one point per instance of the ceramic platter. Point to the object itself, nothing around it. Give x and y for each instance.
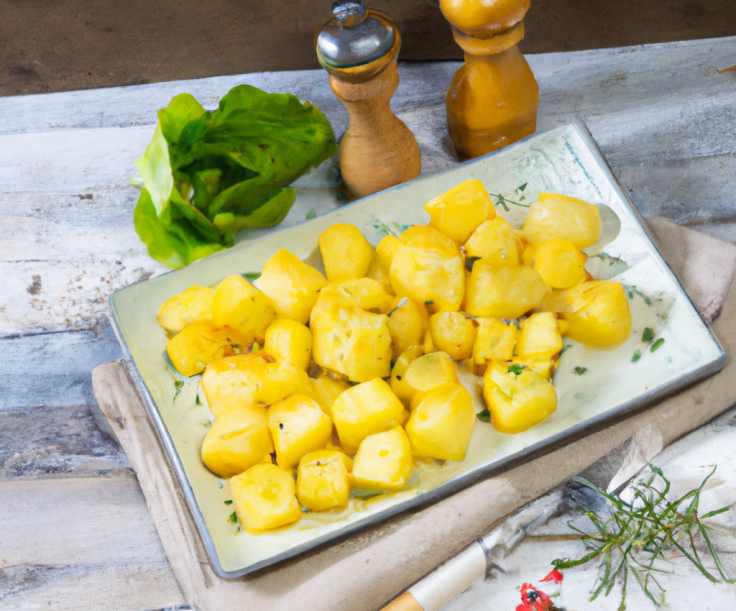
(565, 160)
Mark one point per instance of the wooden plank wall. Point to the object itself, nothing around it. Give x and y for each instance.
(63, 45)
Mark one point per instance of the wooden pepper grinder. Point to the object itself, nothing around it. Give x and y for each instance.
(359, 49)
(493, 98)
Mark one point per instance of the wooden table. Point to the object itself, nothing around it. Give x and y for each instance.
(75, 532)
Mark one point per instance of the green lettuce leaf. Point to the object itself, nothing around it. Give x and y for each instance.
(210, 174)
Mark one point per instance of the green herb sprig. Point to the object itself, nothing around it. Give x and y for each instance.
(636, 535)
(504, 201)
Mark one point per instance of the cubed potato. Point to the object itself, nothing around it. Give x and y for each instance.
(453, 333)
(379, 272)
(539, 334)
(383, 461)
(264, 498)
(363, 410)
(457, 213)
(595, 313)
(560, 264)
(202, 342)
(298, 426)
(248, 380)
(291, 285)
(428, 267)
(558, 216)
(506, 292)
(364, 293)
(288, 339)
(407, 323)
(495, 341)
(398, 374)
(236, 441)
(350, 340)
(324, 390)
(428, 372)
(345, 252)
(241, 306)
(386, 249)
(193, 304)
(494, 241)
(517, 402)
(322, 480)
(441, 425)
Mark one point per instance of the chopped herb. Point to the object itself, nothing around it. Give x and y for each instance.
(636, 356)
(233, 518)
(657, 345)
(310, 215)
(564, 349)
(517, 369)
(179, 384)
(428, 302)
(398, 377)
(631, 290)
(250, 276)
(207, 424)
(504, 201)
(197, 401)
(281, 426)
(484, 416)
(648, 335)
(364, 496)
(580, 370)
(229, 502)
(401, 303)
(255, 347)
(237, 348)
(469, 263)
(306, 510)
(522, 187)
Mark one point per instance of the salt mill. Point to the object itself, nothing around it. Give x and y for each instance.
(492, 100)
(359, 50)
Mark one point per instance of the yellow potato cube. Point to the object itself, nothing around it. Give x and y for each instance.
(539, 334)
(193, 304)
(428, 372)
(506, 292)
(407, 323)
(202, 342)
(517, 401)
(428, 267)
(386, 249)
(236, 441)
(457, 213)
(322, 480)
(241, 306)
(248, 380)
(453, 333)
(265, 498)
(325, 390)
(291, 285)
(345, 252)
(558, 216)
(596, 313)
(364, 293)
(365, 409)
(559, 263)
(383, 461)
(398, 374)
(441, 425)
(495, 242)
(379, 272)
(494, 342)
(289, 340)
(350, 340)
(298, 426)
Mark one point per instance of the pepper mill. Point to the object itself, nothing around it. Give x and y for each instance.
(493, 98)
(359, 50)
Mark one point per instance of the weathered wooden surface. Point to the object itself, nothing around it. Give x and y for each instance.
(665, 119)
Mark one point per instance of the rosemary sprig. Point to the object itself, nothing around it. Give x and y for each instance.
(634, 536)
(503, 200)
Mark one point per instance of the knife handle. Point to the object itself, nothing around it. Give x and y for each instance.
(405, 602)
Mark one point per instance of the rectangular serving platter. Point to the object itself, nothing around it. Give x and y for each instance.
(594, 387)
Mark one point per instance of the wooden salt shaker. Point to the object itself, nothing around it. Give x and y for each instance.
(492, 100)
(359, 50)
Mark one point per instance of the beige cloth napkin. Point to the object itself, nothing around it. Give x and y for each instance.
(364, 571)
